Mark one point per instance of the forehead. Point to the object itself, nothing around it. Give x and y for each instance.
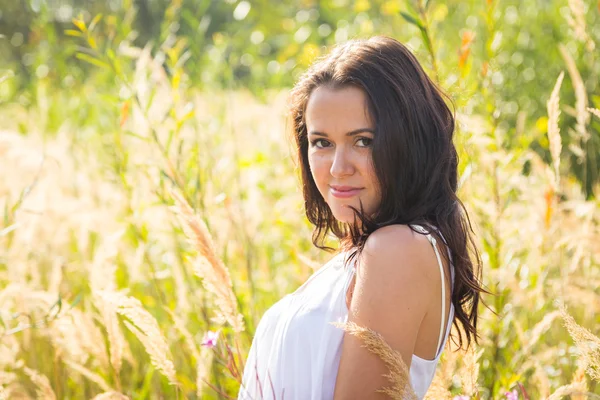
(341, 109)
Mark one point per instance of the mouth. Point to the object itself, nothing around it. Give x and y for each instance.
(344, 192)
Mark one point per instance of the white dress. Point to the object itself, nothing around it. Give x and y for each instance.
(295, 352)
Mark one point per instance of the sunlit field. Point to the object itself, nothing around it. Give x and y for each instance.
(148, 222)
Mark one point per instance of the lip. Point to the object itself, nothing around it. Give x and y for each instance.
(344, 192)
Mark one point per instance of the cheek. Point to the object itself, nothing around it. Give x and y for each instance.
(369, 171)
(373, 181)
(318, 169)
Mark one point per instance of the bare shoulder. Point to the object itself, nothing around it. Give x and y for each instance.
(396, 279)
(399, 253)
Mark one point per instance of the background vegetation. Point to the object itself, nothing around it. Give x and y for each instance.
(117, 114)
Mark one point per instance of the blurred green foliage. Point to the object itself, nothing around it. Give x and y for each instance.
(259, 45)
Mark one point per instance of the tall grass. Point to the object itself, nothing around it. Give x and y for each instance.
(107, 293)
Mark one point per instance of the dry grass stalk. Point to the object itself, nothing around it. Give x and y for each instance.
(110, 396)
(580, 95)
(91, 375)
(438, 390)
(576, 21)
(189, 340)
(208, 266)
(9, 353)
(157, 348)
(103, 268)
(587, 343)
(553, 130)
(540, 328)
(75, 333)
(594, 111)
(149, 332)
(579, 377)
(72, 331)
(542, 382)
(375, 343)
(568, 390)
(471, 371)
(203, 369)
(44, 390)
(116, 340)
(102, 277)
(8, 377)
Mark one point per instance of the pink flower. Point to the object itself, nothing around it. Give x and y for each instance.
(514, 395)
(210, 339)
(462, 397)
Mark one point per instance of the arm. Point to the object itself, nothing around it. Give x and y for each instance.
(395, 281)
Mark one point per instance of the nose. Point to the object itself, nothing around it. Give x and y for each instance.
(342, 163)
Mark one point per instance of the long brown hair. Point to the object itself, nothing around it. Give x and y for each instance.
(414, 159)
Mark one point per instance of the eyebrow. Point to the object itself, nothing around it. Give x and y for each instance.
(351, 133)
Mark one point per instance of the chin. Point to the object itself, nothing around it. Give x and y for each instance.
(344, 214)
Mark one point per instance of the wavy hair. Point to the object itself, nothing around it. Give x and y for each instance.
(413, 155)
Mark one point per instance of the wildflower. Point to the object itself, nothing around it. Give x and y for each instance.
(514, 395)
(210, 339)
(461, 397)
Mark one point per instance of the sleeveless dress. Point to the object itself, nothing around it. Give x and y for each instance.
(295, 352)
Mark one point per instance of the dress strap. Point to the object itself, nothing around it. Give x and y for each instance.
(433, 242)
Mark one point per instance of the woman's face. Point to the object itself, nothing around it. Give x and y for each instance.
(340, 134)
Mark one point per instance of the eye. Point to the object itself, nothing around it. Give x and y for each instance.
(314, 143)
(369, 141)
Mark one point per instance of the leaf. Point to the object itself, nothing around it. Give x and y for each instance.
(92, 43)
(111, 54)
(427, 41)
(73, 32)
(190, 18)
(58, 306)
(94, 22)
(184, 57)
(8, 229)
(409, 18)
(80, 24)
(165, 175)
(189, 113)
(92, 60)
(176, 80)
(150, 99)
(77, 300)
(22, 197)
(136, 135)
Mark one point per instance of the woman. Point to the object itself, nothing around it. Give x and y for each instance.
(379, 171)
